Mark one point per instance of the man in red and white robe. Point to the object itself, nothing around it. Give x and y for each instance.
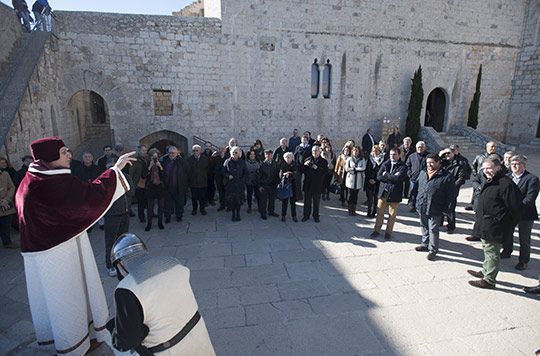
(55, 209)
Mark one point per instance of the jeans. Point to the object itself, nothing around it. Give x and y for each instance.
(492, 260)
(175, 200)
(251, 190)
(430, 231)
(413, 192)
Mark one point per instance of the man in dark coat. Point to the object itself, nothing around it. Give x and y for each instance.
(303, 151)
(88, 170)
(267, 181)
(26, 160)
(528, 185)
(107, 153)
(198, 178)
(491, 148)
(294, 141)
(406, 150)
(137, 169)
(499, 210)
(176, 183)
(281, 150)
(315, 168)
(368, 141)
(436, 195)
(395, 139)
(391, 176)
(456, 167)
(415, 164)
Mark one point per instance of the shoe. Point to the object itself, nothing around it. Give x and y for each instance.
(469, 208)
(472, 238)
(532, 290)
(317, 219)
(521, 266)
(431, 256)
(250, 210)
(148, 227)
(283, 218)
(482, 284)
(450, 231)
(11, 245)
(421, 248)
(178, 219)
(160, 225)
(131, 213)
(233, 218)
(194, 212)
(305, 219)
(505, 255)
(221, 208)
(142, 219)
(211, 202)
(203, 212)
(238, 218)
(111, 272)
(477, 274)
(294, 219)
(374, 234)
(263, 217)
(387, 236)
(273, 214)
(412, 210)
(167, 220)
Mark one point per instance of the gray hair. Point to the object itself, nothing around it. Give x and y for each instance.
(407, 139)
(196, 146)
(493, 159)
(420, 143)
(235, 149)
(172, 148)
(288, 154)
(519, 158)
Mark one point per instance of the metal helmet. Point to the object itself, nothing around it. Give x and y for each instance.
(127, 245)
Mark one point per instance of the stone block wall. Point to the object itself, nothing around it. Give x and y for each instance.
(524, 115)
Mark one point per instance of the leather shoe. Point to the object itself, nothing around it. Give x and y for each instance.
(387, 236)
(178, 219)
(305, 219)
(521, 266)
(504, 255)
(203, 212)
(283, 218)
(412, 210)
(421, 248)
(263, 217)
(194, 212)
(469, 208)
(482, 284)
(374, 234)
(472, 238)
(450, 231)
(273, 214)
(431, 256)
(477, 274)
(294, 219)
(160, 225)
(532, 290)
(317, 220)
(221, 208)
(167, 220)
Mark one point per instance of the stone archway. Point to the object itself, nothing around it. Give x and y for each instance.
(436, 110)
(164, 138)
(89, 114)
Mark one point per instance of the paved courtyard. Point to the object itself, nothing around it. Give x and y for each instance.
(275, 288)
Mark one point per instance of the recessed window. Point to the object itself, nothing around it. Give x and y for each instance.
(315, 79)
(327, 80)
(163, 102)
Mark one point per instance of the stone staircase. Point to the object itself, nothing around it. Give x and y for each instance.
(96, 137)
(466, 147)
(533, 145)
(6, 64)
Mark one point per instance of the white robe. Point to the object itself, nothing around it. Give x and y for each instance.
(65, 293)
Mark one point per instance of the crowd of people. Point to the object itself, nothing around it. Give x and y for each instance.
(301, 168)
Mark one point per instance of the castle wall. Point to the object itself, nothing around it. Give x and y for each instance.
(524, 115)
(249, 75)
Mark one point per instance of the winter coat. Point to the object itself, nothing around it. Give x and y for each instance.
(7, 192)
(355, 178)
(392, 180)
(457, 169)
(314, 178)
(293, 177)
(198, 177)
(499, 209)
(140, 165)
(268, 174)
(253, 171)
(436, 194)
(238, 170)
(372, 168)
(339, 169)
(415, 164)
(183, 171)
(528, 185)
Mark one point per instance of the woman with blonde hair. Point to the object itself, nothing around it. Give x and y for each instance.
(355, 167)
(339, 173)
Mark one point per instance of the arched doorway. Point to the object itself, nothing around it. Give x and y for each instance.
(164, 138)
(436, 110)
(89, 115)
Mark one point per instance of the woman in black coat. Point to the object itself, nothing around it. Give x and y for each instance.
(371, 184)
(289, 169)
(235, 172)
(155, 188)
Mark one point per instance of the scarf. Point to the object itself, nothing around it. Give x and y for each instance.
(154, 173)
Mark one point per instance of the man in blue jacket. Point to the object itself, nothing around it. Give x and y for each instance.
(436, 193)
(391, 176)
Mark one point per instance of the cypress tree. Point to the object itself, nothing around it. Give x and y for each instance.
(472, 120)
(412, 124)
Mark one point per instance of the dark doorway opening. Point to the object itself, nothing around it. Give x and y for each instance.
(164, 138)
(435, 110)
(162, 145)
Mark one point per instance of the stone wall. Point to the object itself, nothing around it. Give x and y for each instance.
(11, 31)
(195, 9)
(249, 75)
(524, 116)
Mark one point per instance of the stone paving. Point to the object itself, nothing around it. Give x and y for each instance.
(275, 288)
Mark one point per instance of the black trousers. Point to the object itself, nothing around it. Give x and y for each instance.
(267, 200)
(141, 202)
(353, 196)
(284, 203)
(251, 190)
(311, 200)
(115, 225)
(221, 190)
(371, 200)
(5, 226)
(174, 201)
(150, 208)
(211, 189)
(198, 197)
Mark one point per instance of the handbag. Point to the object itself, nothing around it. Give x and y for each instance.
(335, 188)
(284, 190)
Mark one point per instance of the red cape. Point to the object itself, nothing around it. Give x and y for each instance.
(55, 206)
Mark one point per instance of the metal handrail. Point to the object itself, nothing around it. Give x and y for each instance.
(202, 142)
(7, 115)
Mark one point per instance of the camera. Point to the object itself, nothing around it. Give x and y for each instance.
(155, 159)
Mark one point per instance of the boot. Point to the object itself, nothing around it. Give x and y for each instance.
(148, 226)
(353, 209)
(160, 225)
(350, 210)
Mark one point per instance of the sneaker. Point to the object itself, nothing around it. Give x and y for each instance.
(111, 272)
(431, 256)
